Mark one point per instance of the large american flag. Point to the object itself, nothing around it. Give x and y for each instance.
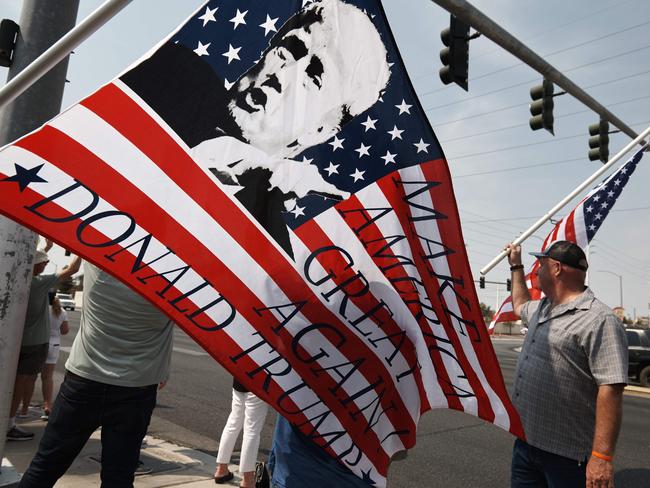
(579, 226)
(355, 314)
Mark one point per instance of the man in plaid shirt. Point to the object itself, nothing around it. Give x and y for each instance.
(570, 375)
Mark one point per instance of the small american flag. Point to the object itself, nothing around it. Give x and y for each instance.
(267, 177)
(579, 226)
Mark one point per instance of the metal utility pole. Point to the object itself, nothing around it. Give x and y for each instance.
(490, 29)
(41, 25)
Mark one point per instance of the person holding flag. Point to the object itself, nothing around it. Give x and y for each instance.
(570, 374)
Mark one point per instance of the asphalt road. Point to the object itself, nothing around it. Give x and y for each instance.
(454, 450)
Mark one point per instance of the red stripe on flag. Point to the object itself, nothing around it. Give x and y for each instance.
(314, 237)
(397, 199)
(569, 228)
(451, 233)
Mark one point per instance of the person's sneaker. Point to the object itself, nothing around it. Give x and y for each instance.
(46, 414)
(18, 434)
(142, 469)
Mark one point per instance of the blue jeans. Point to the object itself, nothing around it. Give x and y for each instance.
(536, 468)
(81, 407)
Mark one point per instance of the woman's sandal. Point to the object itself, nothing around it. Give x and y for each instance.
(224, 478)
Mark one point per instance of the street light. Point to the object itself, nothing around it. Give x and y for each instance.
(620, 283)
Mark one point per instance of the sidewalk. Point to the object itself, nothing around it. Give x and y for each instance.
(171, 465)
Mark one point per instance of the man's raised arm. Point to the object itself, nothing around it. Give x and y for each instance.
(519, 293)
(70, 269)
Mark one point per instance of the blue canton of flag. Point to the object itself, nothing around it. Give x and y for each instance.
(602, 198)
(231, 36)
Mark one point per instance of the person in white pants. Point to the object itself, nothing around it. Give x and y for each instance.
(249, 412)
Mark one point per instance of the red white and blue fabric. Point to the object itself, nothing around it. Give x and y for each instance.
(579, 226)
(370, 320)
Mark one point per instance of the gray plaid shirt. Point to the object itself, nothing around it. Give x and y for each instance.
(568, 352)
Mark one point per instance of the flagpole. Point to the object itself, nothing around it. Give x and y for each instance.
(59, 50)
(567, 199)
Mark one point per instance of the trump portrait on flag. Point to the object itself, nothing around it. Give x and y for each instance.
(324, 66)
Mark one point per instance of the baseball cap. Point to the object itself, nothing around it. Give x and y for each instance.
(41, 257)
(566, 252)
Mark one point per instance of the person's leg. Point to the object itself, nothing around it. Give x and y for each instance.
(74, 417)
(126, 416)
(27, 393)
(562, 472)
(256, 410)
(47, 383)
(525, 471)
(230, 432)
(20, 386)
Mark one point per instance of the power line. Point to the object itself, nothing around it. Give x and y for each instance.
(535, 36)
(535, 79)
(519, 146)
(519, 168)
(553, 53)
(492, 131)
(509, 219)
(480, 114)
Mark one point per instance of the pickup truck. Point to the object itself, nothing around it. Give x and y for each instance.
(638, 341)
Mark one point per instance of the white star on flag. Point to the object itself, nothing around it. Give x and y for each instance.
(332, 168)
(208, 16)
(227, 84)
(269, 25)
(404, 107)
(298, 211)
(617, 182)
(363, 150)
(239, 18)
(395, 133)
(422, 146)
(590, 209)
(202, 49)
(369, 123)
(306, 160)
(610, 194)
(336, 143)
(388, 158)
(233, 53)
(357, 175)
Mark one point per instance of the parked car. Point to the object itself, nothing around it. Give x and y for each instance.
(66, 301)
(638, 341)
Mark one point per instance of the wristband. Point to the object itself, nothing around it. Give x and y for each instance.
(515, 267)
(602, 456)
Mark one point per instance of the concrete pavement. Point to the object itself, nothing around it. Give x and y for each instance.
(171, 465)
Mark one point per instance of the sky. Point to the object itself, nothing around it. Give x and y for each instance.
(505, 175)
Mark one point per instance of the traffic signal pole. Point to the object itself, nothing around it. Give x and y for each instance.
(490, 29)
(40, 27)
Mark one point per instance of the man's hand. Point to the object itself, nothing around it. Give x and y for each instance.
(600, 473)
(514, 254)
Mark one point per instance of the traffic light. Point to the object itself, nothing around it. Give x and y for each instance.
(455, 56)
(481, 282)
(8, 34)
(508, 284)
(599, 141)
(541, 108)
